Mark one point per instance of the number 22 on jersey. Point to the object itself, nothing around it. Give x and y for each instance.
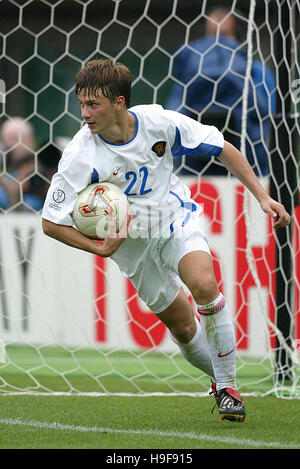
(136, 180)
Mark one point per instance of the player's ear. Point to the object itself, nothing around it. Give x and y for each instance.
(120, 102)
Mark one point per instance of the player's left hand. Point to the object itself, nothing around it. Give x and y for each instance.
(277, 211)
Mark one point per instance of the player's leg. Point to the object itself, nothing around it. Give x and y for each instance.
(161, 290)
(186, 332)
(190, 257)
(196, 271)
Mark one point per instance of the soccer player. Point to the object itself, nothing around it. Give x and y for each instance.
(134, 149)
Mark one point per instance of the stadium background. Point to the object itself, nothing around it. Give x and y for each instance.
(64, 46)
(86, 395)
(44, 43)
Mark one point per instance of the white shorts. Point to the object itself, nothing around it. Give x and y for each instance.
(151, 264)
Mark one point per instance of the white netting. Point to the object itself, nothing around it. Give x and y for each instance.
(70, 322)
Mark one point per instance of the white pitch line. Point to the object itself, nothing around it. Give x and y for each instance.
(159, 433)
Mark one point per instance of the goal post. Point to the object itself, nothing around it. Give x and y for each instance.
(69, 322)
(285, 177)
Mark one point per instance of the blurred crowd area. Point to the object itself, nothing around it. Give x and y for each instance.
(26, 170)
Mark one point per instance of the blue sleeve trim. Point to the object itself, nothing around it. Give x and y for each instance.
(95, 176)
(204, 149)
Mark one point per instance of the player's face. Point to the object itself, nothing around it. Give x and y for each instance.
(98, 112)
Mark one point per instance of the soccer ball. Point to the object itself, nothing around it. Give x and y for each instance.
(96, 206)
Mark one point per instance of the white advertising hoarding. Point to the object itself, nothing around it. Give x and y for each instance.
(54, 294)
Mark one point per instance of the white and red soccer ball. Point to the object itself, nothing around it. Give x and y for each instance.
(96, 206)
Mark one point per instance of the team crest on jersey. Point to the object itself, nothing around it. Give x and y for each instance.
(159, 148)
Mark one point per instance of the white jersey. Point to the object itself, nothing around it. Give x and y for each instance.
(142, 167)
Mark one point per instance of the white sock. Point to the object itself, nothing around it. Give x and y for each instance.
(217, 323)
(196, 351)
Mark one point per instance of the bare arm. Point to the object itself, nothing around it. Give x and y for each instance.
(238, 165)
(70, 236)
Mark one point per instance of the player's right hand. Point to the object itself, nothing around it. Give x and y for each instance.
(115, 238)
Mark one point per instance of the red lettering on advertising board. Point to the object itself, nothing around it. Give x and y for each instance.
(146, 329)
(206, 194)
(100, 298)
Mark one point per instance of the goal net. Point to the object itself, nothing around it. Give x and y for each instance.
(69, 322)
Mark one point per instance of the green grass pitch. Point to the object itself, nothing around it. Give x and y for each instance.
(132, 421)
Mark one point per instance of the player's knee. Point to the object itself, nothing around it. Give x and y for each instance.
(183, 332)
(205, 289)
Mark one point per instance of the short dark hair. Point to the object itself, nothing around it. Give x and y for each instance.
(113, 79)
